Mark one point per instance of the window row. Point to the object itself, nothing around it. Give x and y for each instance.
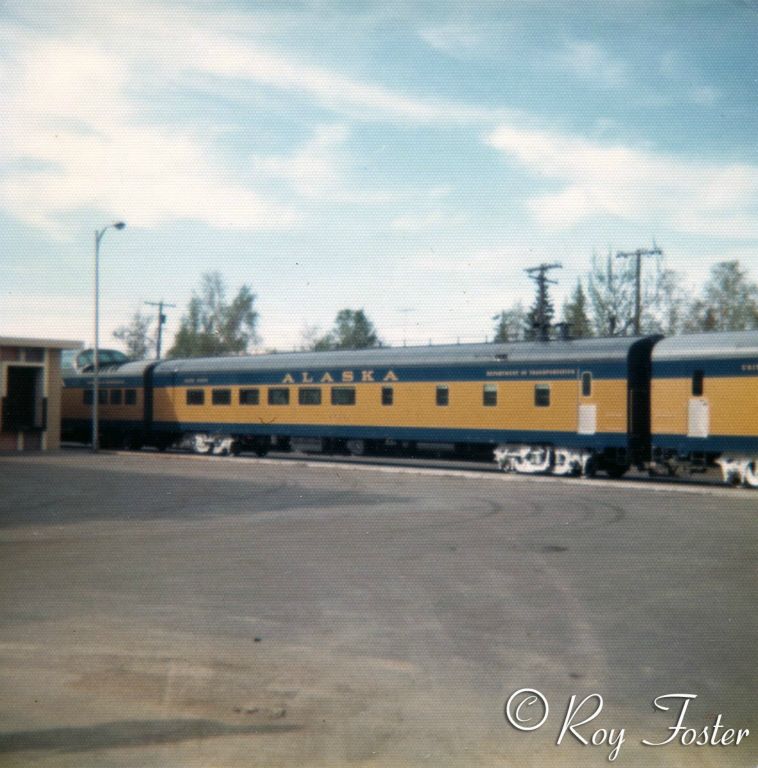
(111, 396)
(346, 395)
(281, 396)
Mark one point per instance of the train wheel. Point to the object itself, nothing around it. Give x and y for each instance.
(131, 442)
(616, 471)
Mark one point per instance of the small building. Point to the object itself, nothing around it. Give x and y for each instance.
(30, 393)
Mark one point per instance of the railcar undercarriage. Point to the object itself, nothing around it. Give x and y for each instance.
(737, 469)
(541, 459)
(520, 458)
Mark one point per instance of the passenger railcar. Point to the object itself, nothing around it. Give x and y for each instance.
(123, 403)
(566, 407)
(704, 403)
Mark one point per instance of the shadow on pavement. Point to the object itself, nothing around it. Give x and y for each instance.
(127, 733)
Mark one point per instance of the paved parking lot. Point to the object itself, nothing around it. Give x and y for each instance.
(180, 611)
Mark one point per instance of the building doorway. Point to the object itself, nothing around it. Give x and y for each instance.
(24, 404)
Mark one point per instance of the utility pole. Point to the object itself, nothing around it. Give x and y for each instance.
(638, 254)
(161, 319)
(539, 275)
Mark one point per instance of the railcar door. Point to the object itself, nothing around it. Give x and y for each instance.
(587, 409)
(698, 408)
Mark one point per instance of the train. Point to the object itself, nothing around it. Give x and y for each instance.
(565, 407)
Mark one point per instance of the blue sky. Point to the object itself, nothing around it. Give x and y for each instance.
(391, 156)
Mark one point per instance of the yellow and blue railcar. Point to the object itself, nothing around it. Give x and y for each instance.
(123, 401)
(704, 403)
(563, 406)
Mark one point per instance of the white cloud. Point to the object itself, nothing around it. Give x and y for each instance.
(450, 39)
(592, 64)
(76, 136)
(640, 186)
(181, 40)
(432, 220)
(313, 169)
(226, 57)
(687, 80)
(74, 140)
(318, 169)
(704, 95)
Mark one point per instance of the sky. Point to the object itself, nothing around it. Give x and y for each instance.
(407, 158)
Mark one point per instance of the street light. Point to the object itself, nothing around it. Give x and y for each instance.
(96, 359)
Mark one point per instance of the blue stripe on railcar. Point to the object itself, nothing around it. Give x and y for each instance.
(103, 382)
(710, 444)
(423, 434)
(717, 367)
(535, 372)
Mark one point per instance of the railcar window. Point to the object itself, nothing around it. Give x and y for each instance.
(195, 397)
(343, 395)
(443, 395)
(489, 396)
(542, 395)
(586, 384)
(102, 396)
(130, 397)
(87, 396)
(115, 397)
(249, 397)
(221, 396)
(388, 396)
(309, 396)
(278, 396)
(698, 377)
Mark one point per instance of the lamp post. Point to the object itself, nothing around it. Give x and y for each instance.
(96, 357)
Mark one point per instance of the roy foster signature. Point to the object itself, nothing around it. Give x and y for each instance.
(527, 710)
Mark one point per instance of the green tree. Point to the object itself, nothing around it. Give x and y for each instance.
(533, 321)
(510, 324)
(727, 302)
(611, 289)
(664, 303)
(575, 313)
(351, 330)
(214, 326)
(135, 336)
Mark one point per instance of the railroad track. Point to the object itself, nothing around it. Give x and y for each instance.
(709, 481)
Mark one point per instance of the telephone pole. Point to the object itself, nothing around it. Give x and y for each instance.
(638, 254)
(161, 319)
(539, 275)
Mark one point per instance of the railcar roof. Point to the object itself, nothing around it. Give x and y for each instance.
(702, 345)
(459, 354)
(132, 368)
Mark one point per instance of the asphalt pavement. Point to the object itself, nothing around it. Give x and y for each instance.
(168, 610)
